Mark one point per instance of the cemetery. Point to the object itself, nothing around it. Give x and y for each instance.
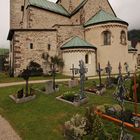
(52, 111)
(72, 72)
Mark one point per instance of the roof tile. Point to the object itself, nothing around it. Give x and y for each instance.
(51, 6)
(102, 17)
(77, 42)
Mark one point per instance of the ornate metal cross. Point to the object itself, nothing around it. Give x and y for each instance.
(99, 70)
(127, 69)
(108, 69)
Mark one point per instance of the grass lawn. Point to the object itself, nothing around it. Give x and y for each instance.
(43, 118)
(4, 78)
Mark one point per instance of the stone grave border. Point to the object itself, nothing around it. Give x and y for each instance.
(81, 102)
(22, 100)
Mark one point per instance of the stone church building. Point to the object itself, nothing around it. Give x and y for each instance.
(73, 30)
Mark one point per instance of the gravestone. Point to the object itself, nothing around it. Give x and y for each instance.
(99, 70)
(49, 87)
(82, 72)
(73, 82)
(127, 70)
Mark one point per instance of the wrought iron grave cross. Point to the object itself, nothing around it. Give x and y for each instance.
(99, 70)
(108, 69)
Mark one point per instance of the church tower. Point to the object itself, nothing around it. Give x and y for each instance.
(69, 5)
(16, 13)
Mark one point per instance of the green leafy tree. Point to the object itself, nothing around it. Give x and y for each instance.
(55, 63)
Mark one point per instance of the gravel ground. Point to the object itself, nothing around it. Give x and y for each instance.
(6, 131)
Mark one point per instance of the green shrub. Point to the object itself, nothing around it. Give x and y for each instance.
(69, 96)
(132, 90)
(75, 128)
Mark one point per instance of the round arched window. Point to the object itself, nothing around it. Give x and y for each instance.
(86, 59)
(107, 38)
(123, 38)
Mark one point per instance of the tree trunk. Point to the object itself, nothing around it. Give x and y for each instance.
(26, 91)
(54, 80)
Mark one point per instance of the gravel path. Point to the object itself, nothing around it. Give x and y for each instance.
(6, 131)
(39, 81)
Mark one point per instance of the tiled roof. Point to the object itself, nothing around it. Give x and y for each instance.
(51, 6)
(103, 17)
(77, 42)
(3, 51)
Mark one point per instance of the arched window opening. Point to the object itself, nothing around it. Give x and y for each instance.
(31, 45)
(107, 38)
(123, 38)
(86, 59)
(49, 47)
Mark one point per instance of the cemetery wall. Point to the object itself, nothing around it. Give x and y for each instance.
(73, 56)
(30, 45)
(116, 52)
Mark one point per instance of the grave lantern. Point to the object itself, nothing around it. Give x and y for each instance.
(136, 121)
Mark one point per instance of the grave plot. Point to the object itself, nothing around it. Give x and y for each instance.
(24, 96)
(76, 98)
(133, 95)
(118, 114)
(97, 89)
(110, 81)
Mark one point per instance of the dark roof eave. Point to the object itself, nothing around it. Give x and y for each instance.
(104, 22)
(72, 47)
(49, 10)
(10, 35)
(132, 50)
(11, 31)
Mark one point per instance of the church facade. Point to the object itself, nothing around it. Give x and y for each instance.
(74, 30)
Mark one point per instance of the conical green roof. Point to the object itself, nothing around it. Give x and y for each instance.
(103, 17)
(77, 42)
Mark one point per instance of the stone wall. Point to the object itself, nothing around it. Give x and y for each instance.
(65, 32)
(23, 53)
(69, 7)
(73, 56)
(138, 52)
(16, 13)
(93, 6)
(132, 59)
(43, 19)
(116, 52)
